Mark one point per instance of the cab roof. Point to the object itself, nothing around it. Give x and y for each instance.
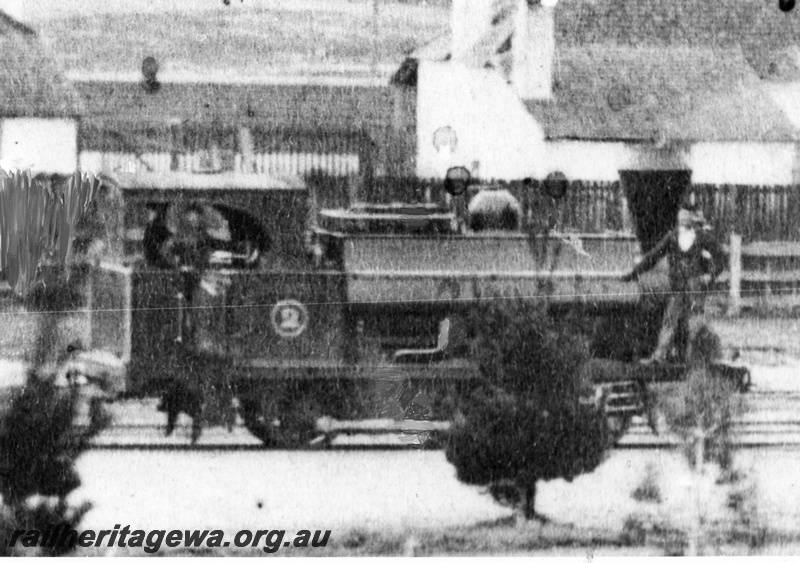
(221, 181)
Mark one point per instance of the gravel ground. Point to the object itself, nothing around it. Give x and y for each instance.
(399, 491)
(291, 490)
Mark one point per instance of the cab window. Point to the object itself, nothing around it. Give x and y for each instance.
(233, 237)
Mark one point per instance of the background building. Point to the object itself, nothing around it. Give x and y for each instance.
(39, 109)
(621, 97)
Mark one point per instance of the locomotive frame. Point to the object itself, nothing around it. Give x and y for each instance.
(345, 304)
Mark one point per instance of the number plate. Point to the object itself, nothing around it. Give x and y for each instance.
(289, 318)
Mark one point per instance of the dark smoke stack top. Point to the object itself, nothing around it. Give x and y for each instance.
(150, 74)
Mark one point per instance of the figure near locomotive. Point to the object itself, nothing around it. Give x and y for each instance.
(231, 294)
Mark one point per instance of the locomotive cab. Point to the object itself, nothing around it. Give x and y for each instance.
(259, 302)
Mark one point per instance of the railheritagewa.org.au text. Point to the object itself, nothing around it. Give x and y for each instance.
(154, 540)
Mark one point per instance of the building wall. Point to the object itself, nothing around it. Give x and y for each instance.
(497, 138)
(580, 160)
(42, 145)
(495, 135)
(743, 163)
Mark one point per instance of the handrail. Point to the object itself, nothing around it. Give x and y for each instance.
(420, 355)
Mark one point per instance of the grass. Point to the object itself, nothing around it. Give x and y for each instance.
(503, 537)
(642, 536)
(250, 41)
(649, 489)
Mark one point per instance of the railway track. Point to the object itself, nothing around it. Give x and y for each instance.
(770, 419)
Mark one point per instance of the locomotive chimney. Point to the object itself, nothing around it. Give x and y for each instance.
(533, 49)
(470, 20)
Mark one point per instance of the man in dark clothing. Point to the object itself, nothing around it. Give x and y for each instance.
(190, 249)
(156, 236)
(203, 377)
(695, 261)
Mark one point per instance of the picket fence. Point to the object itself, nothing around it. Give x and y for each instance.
(340, 165)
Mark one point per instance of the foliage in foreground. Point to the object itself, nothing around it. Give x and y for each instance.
(525, 421)
(39, 443)
(704, 402)
(721, 508)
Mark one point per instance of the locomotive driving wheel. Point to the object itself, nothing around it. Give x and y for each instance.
(281, 416)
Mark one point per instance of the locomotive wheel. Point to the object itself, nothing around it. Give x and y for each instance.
(617, 427)
(276, 416)
(418, 404)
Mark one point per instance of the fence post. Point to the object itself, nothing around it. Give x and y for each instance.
(735, 295)
(246, 151)
(627, 224)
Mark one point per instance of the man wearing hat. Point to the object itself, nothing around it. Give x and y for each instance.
(695, 261)
(156, 236)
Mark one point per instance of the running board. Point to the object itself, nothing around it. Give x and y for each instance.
(373, 426)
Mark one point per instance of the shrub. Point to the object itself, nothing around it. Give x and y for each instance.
(39, 443)
(524, 422)
(648, 490)
(702, 407)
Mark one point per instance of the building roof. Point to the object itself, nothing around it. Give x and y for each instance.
(295, 106)
(674, 94)
(123, 116)
(691, 91)
(759, 27)
(32, 84)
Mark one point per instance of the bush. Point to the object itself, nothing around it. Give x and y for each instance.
(702, 407)
(748, 526)
(524, 422)
(39, 441)
(703, 401)
(39, 444)
(649, 489)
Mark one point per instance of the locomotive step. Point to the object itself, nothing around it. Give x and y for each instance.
(331, 425)
(614, 372)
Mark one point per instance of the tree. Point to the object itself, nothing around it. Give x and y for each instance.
(39, 441)
(700, 411)
(525, 421)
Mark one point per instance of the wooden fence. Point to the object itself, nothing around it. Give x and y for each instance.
(285, 163)
(213, 147)
(757, 213)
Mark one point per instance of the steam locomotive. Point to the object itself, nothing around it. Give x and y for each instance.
(345, 313)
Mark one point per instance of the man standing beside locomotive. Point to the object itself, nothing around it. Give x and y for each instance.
(203, 379)
(695, 261)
